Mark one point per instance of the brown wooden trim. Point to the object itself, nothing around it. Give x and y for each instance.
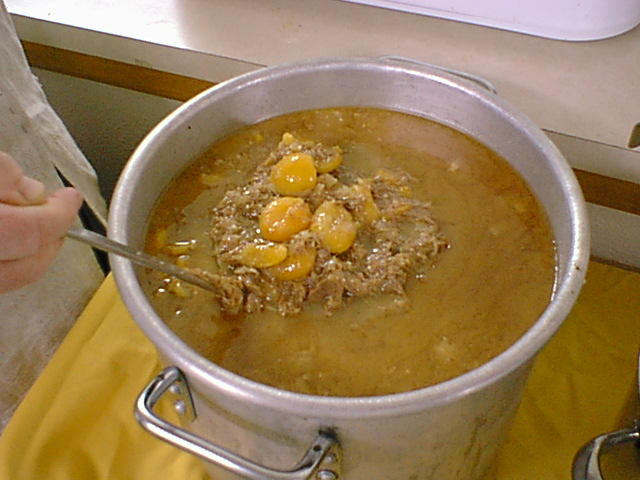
(609, 192)
(599, 189)
(111, 72)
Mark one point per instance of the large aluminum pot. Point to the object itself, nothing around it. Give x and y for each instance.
(448, 431)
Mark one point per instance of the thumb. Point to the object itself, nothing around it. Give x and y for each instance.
(61, 208)
(67, 196)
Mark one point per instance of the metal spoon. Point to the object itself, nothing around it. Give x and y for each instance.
(103, 243)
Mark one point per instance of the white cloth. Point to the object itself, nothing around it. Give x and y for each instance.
(34, 319)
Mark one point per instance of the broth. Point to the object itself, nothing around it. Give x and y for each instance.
(481, 295)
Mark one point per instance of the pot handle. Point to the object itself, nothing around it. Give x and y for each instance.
(321, 459)
(586, 462)
(483, 82)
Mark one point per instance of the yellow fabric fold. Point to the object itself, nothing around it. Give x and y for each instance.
(77, 421)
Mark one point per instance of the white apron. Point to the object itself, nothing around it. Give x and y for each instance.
(34, 319)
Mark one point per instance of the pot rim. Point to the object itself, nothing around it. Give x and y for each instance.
(201, 371)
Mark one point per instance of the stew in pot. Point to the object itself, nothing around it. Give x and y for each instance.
(356, 252)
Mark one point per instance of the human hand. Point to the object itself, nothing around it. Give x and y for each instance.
(32, 224)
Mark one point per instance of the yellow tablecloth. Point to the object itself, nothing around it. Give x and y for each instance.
(77, 421)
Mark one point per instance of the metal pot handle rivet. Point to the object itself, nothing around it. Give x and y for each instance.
(322, 457)
(586, 462)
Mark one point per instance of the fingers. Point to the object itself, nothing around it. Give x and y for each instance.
(15, 274)
(25, 230)
(30, 192)
(32, 225)
(15, 187)
(11, 174)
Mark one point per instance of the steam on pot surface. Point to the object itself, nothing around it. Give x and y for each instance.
(357, 251)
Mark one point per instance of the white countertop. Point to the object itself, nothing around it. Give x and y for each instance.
(583, 89)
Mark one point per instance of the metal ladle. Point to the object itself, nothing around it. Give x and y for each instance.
(139, 257)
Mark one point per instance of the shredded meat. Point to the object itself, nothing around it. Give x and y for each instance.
(401, 240)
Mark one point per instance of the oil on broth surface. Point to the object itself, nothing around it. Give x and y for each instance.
(483, 293)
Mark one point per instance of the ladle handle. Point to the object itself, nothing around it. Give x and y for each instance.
(106, 244)
(324, 450)
(586, 462)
